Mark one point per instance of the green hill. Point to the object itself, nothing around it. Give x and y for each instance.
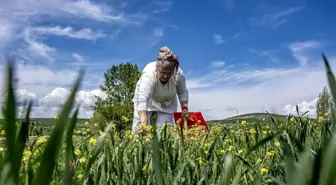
(252, 117)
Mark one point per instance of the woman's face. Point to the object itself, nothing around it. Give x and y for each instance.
(165, 75)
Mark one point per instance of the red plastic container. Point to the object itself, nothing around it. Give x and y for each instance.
(196, 116)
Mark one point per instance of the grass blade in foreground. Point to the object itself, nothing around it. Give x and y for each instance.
(69, 148)
(48, 160)
(328, 170)
(9, 111)
(156, 152)
(97, 149)
(331, 80)
(21, 140)
(228, 166)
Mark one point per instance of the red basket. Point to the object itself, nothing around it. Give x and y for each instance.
(196, 116)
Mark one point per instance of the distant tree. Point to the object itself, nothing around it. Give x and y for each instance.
(323, 103)
(119, 87)
(332, 111)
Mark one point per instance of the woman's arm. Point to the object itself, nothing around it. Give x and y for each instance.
(146, 86)
(182, 90)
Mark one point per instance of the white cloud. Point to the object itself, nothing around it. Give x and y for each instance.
(271, 55)
(6, 32)
(218, 39)
(85, 33)
(38, 49)
(274, 20)
(275, 90)
(303, 107)
(24, 95)
(271, 94)
(158, 32)
(301, 50)
(237, 35)
(41, 79)
(217, 64)
(78, 57)
(152, 40)
(196, 83)
(65, 8)
(225, 76)
(164, 6)
(16, 16)
(87, 9)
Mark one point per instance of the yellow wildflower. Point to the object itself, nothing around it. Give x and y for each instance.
(292, 119)
(145, 167)
(321, 119)
(200, 160)
(231, 148)
(82, 160)
(26, 155)
(277, 144)
(92, 141)
(3, 132)
(80, 176)
(258, 161)
(264, 170)
(57, 116)
(86, 123)
(77, 152)
(226, 141)
(41, 140)
(270, 154)
(252, 131)
(244, 123)
(1, 149)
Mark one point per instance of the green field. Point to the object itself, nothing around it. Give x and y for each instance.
(243, 150)
(248, 117)
(48, 121)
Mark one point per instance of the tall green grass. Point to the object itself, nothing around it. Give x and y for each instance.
(295, 152)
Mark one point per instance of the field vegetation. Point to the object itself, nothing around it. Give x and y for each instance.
(292, 151)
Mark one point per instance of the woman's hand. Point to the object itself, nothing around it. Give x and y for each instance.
(185, 112)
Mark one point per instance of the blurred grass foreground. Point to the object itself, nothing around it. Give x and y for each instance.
(297, 151)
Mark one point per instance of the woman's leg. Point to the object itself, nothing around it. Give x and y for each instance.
(164, 117)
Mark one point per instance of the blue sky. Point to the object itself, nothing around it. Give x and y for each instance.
(251, 56)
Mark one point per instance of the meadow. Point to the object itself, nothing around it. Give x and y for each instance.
(292, 151)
